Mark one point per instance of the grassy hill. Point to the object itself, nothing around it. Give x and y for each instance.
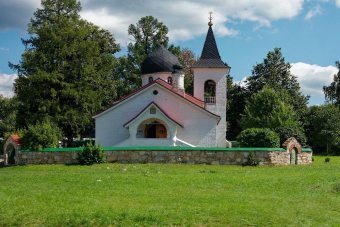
(171, 195)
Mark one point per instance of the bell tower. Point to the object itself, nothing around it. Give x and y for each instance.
(210, 83)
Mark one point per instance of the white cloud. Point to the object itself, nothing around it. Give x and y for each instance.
(4, 49)
(242, 83)
(313, 12)
(6, 84)
(313, 77)
(337, 2)
(186, 19)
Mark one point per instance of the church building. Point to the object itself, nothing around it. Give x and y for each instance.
(161, 113)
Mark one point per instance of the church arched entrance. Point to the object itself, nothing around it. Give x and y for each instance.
(155, 130)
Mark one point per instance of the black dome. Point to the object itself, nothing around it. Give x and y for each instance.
(160, 60)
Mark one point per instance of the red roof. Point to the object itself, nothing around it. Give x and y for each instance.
(16, 139)
(164, 84)
(159, 109)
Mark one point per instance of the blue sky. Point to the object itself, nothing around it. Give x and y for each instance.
(245, 30)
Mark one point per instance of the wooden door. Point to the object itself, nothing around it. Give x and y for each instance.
(161, 131)
(293, 157)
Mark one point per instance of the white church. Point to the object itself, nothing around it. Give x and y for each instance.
(161, 113)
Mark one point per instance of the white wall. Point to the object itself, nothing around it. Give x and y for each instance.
(199, 128)
(219, 77)
(155, 76)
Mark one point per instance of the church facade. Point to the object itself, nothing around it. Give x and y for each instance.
(161, 113)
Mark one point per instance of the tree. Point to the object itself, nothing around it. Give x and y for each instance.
(64, 73)
(332, 92)
(44, 134)
(275, 73)
(324, 130)
(188, 58)
(8, 112)
(124, 76)
(146, 35)
(237, 96)
(269, 109)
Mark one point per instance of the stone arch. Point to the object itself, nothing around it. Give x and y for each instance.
(12, 144)
(297, 148)
(291, 144)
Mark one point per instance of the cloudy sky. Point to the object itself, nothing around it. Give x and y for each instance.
(245, 30)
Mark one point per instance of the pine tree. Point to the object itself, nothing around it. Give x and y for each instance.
(64, 73)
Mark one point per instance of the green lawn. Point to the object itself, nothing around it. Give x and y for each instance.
(171, 195)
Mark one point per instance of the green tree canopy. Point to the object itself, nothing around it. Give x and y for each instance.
(270, 109)
(332, 92)
(324, 130)
(64, 73)
(275, 73)
(8, 113)
(237, 97)
(146, 35)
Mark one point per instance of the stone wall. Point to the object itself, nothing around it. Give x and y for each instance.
(283, 158)
(213, 157)
(47, 157)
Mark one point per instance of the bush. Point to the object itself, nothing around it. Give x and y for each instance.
(90, 154)
(287, 132)
(327, 159)
(258, 137)
(252, 160)
(44, 134)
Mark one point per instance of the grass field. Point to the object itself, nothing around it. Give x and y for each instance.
(171, 195)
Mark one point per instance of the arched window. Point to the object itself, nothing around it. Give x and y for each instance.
(209, 92)
(150, 79)
(170, 80)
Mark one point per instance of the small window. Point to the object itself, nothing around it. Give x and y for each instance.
(169, 80)
(152, 110)
(150, 79)
(155, 92)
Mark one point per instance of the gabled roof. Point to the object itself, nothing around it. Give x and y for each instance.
(210, 57)
(16, 139)
(146, 109)
(161, 83)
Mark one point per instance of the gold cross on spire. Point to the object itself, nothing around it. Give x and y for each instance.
(161, 41)
(210, 18)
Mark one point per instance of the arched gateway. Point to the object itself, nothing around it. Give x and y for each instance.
(11, 149)
(155, 130)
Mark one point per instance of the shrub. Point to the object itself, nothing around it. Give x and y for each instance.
(42, 135)
(258, 137)
(252, 160)
(292, 131)
(327, 159)
(90, 154)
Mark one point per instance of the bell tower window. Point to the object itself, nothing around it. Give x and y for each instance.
(170, 80)
(150, 79)
(210, 92)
